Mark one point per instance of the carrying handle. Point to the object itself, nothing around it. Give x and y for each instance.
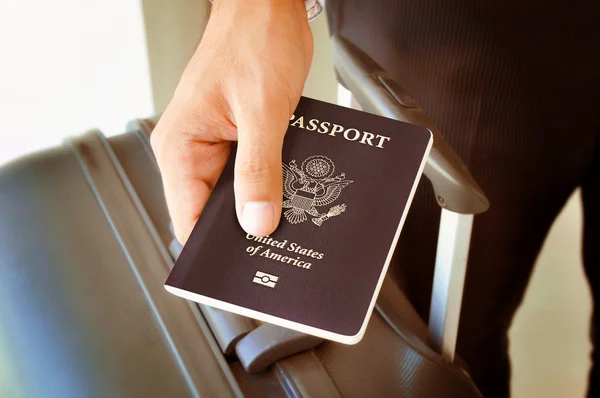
(378, 93)
(269, 343)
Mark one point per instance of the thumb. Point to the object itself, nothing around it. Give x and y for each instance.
(258, 181)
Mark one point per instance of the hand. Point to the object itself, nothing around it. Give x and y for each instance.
(242, 84)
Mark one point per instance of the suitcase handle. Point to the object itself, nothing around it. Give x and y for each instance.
(269, 343)
(378, 93)
(456, 191)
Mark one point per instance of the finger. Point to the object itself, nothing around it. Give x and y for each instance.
(189, 170)
(258, 181)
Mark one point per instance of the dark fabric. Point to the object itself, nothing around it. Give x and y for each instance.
(591, 239)
(515, 89)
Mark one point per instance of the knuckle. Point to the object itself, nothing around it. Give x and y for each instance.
(181, 236)
(256, 169)
(182, 229)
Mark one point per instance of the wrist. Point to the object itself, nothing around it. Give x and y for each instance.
(261, 9)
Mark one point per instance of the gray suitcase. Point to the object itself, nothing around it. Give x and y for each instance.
(86, 245)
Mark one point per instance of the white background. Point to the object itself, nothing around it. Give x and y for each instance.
(67, 66)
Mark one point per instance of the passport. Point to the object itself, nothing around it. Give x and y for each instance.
(348, 180)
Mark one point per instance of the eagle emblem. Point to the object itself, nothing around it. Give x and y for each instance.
(311, 186)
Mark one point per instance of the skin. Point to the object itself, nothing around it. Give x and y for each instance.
(242, 84)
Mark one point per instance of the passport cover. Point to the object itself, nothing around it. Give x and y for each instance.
(348, 180)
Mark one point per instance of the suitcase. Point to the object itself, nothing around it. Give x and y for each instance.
(86, 245)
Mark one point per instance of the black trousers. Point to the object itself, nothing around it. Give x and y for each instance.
(515, 88)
